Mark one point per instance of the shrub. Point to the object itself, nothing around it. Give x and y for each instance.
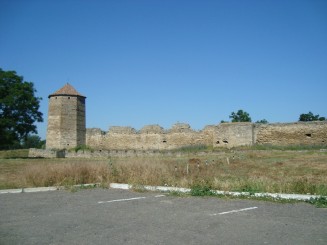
(201, 190)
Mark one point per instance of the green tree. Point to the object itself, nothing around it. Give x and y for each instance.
(310, 117)
(240, 116)
(33, 141)
(263, 121)
(19, 109)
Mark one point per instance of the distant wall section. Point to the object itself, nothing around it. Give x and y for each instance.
(151, 137)
(299, 133)
(233, 134)
(154, 137)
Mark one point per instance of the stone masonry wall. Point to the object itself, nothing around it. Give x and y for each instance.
(151, 137)
(46, 153)
(66, 122)
(154, 137)
(233, 134)
(299, 133)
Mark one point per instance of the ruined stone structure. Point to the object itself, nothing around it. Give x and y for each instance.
(153, 137)
(66, 119)
(66, 129)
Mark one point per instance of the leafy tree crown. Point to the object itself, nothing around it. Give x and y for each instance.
(19, 109)
(240, 116)
(308, 117)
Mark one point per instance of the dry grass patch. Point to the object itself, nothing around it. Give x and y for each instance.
(65, 174)
(18, 173)
(253, 171)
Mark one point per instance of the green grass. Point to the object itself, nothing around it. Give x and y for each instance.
(201, 190)
(288, 147)
(75, 188)
(268, 147)
(320, 202)
(204, 191)
(193, 149)
(22, 153)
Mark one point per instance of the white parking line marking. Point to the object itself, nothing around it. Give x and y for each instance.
(123, 200)
(235, 211)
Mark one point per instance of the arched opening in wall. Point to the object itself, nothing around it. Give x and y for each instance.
(164, 141)
(217, 142)
(308, 135)
(225, 141)
(69, 98)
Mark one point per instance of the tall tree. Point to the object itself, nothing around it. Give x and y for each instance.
(33, 141)
(310, 117)
(19, 109)
(240, 116)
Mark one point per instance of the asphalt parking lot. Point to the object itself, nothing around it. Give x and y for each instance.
(107, 216)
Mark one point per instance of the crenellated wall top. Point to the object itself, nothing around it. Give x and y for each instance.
(150, 129)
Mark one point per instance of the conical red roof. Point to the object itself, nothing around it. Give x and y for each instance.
(67, 90)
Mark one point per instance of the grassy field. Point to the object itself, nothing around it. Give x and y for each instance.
(250, 170)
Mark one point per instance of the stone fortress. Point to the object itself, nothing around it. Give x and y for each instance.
(66, 119)
(66, 129)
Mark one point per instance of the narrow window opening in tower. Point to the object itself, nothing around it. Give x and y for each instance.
(225, 141)
(69, 98)
(217, 142)
(308, 135)
(164, 141)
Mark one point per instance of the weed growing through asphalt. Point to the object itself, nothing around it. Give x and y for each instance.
(199, 190)
(320, 202)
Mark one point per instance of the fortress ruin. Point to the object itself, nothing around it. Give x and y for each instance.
(66, 119)
(66, 129)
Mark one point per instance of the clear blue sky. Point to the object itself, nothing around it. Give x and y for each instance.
(167, 61)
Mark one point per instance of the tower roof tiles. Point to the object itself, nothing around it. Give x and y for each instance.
(67, 90)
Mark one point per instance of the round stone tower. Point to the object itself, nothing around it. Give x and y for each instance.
(66, 119)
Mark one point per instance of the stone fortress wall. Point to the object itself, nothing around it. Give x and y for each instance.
(154, 137)
(66, 119)
(154, 140)
(66, 130)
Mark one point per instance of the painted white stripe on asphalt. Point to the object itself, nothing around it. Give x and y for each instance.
(235, 211)
(122, 200)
